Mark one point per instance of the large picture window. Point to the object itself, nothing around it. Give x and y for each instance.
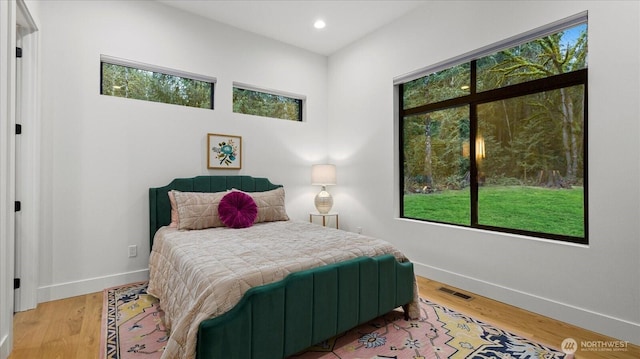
(497, 140)
(130, 79)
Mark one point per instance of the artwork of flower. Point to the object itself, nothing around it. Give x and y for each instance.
(224, 151)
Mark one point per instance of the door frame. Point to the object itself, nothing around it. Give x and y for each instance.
(28, 174)
(12, 14)
(7, 172)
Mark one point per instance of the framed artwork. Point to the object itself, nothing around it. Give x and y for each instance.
(224, 152)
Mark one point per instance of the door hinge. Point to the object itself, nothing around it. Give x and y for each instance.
(18, 129)
(16, 283)
(18, 52)
(17, 206)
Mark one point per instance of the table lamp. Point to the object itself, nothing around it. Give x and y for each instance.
(323, 175)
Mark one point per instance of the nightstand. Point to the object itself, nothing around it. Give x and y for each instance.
(324, 217)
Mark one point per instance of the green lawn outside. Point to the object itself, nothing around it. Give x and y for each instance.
(537, 209)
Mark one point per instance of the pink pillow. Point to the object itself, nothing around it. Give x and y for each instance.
(174, 210)
(237, 210)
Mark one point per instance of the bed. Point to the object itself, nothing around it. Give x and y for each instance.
(311, 296)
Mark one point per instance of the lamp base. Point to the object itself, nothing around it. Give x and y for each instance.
(323, 201)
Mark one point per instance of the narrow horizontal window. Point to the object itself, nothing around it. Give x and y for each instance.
(129, 79)
(251, 100)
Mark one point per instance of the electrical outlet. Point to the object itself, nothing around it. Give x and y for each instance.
(133, 251)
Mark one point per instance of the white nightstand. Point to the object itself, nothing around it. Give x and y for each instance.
(324, 217)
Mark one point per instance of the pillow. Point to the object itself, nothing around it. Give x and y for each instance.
(174, 210)
(237, 210)
(198, 210)
(270, 205)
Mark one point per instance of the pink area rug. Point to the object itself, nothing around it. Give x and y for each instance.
(131, 324)
(132, 328)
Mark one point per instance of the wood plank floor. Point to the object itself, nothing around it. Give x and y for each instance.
(61, 329)
(70, 328)
(518, 321)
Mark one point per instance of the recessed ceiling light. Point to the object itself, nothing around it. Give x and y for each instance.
(319, 24)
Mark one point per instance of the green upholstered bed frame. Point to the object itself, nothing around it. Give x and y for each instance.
(280, 319)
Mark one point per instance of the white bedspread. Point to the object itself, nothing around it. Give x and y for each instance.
(202, 274)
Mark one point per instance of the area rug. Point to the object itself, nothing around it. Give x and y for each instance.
(132, 328)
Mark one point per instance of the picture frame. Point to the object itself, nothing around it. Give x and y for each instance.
(224, 151)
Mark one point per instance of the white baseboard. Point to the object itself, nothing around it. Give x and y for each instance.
(90, 285)
(5, 347)
(597, 322)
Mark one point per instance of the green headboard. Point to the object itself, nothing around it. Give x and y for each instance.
(160, 208)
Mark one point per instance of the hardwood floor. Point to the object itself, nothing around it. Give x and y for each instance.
(518, 321)
(61, 329)
(70, 328)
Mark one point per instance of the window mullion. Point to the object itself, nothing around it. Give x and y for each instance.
(473, 134)
(556, 82)
(402, 159)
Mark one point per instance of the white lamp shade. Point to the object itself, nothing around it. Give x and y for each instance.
(323, 175)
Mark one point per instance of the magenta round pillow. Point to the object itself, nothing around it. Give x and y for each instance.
(237, 210)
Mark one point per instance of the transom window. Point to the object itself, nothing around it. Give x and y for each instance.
(251, 100)
(497, 140)
(130, 79)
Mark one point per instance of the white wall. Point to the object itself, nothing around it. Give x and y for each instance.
(100, 154)
(595, 286)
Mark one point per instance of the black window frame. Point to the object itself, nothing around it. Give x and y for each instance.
(473, 100)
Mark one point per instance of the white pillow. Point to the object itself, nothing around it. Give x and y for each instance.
(198, 210)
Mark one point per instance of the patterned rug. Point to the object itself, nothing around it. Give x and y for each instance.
(132, 328)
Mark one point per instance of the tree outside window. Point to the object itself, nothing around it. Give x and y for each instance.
(499, 143)
(141, 84)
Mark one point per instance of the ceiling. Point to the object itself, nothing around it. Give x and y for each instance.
(292, 21)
